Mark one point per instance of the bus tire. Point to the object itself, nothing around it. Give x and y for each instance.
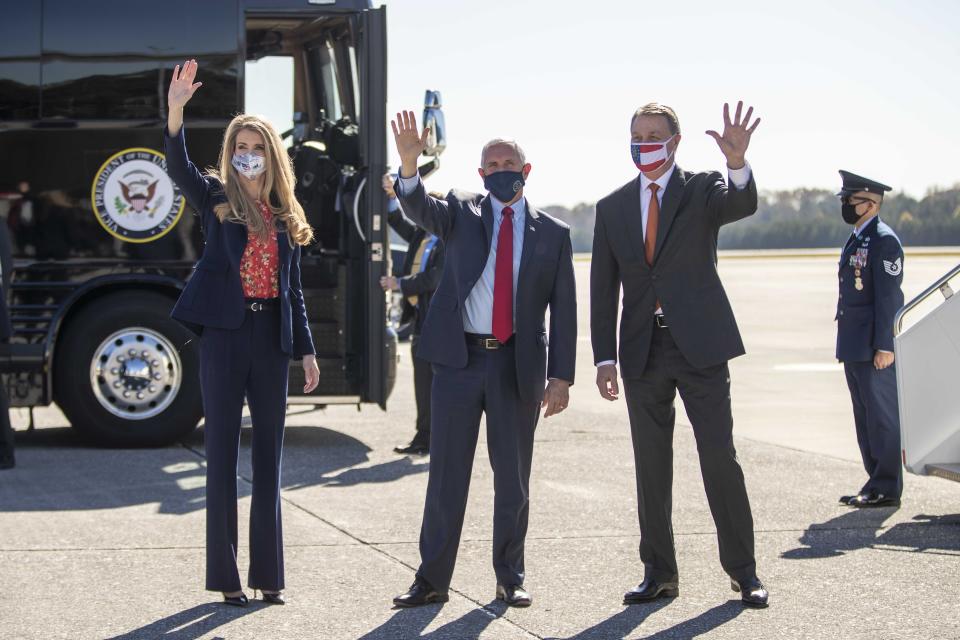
(126, 374)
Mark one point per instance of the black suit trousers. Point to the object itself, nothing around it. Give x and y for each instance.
(487, 385)
(706, 397)
(234, 363)
(422, 383)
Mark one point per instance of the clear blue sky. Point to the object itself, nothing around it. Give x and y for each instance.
(864, 86)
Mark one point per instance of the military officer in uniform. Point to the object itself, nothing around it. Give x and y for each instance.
(871, 272)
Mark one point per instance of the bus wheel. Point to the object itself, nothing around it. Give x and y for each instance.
(126, 374)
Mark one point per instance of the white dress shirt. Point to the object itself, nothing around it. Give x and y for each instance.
(478, 307)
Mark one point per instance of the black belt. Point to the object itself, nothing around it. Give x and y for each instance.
(660, 321)
(486, 341)
(261, 304)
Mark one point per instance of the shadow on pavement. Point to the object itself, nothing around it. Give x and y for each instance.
(60, 472)
(703, 623)
(191, 623)
(623, 624)
(859, 529)
(411, 623)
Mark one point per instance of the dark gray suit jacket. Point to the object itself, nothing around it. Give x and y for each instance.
(683, 277)
(464, 222)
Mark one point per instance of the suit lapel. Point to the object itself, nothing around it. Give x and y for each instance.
(531, 234)
(668, 209)
(236, 242)
(632, 211)
(851, 241)
(486, 214)
(283, 249)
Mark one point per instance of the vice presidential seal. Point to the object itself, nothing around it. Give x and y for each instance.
(133, 197)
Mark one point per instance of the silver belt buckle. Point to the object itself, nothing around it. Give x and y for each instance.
(256, 306)
(660, 321)
(491, 343)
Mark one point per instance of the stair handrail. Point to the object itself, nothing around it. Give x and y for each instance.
(940, 285)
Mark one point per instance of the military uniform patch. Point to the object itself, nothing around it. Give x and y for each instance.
(893, 268)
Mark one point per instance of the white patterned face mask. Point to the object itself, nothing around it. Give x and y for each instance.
(249, 165)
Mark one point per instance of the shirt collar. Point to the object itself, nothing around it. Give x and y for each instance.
(859, 232)
(519, 208)
(662, 181)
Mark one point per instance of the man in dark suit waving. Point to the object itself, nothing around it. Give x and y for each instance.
(506, 263)
(657, 238)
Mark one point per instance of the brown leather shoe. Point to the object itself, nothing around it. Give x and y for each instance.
(514, 596)
(649, 590)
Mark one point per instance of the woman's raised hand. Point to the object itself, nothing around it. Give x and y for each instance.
(182, 85)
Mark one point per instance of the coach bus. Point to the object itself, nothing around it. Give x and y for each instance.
(102, 241)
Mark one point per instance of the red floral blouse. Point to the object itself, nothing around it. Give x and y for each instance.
(260, 266)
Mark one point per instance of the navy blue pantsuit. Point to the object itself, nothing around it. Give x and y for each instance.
(234, 363)
(243, 353)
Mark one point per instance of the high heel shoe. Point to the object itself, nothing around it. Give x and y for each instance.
(272, 598)
(236, 601)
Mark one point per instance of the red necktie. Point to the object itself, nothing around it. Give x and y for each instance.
(653, 217)
(503, 280)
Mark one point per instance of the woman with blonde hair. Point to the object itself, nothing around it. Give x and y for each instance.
(246, 302)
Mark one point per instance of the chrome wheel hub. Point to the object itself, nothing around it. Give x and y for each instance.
(136, 373)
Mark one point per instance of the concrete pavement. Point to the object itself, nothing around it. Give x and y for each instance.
(109, 543)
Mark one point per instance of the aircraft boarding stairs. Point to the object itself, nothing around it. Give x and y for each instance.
(927, 345)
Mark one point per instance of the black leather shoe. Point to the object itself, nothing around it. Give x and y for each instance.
(7, 461)
(752, 592)
(413, 449)
(420, 593)
(847, 499)
(651, 590)
(872, 499)
(514, 596)
(272, 598)
(236, 601)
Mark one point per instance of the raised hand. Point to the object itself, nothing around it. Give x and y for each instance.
(736, 135)
(410, 142)
(182, 85)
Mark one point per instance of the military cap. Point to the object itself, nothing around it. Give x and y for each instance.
(852, 183)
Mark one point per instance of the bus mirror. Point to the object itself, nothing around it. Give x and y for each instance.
(433, 118)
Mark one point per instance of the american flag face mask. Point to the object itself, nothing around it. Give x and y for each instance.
(650, 156)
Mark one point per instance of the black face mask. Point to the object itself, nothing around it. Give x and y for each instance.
(504, 185)
(849, 213)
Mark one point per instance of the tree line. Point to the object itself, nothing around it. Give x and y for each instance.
(810, 218)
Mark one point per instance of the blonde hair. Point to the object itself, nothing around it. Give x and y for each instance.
(277, 192)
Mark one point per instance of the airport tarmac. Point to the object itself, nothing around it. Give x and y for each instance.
(98, 543)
